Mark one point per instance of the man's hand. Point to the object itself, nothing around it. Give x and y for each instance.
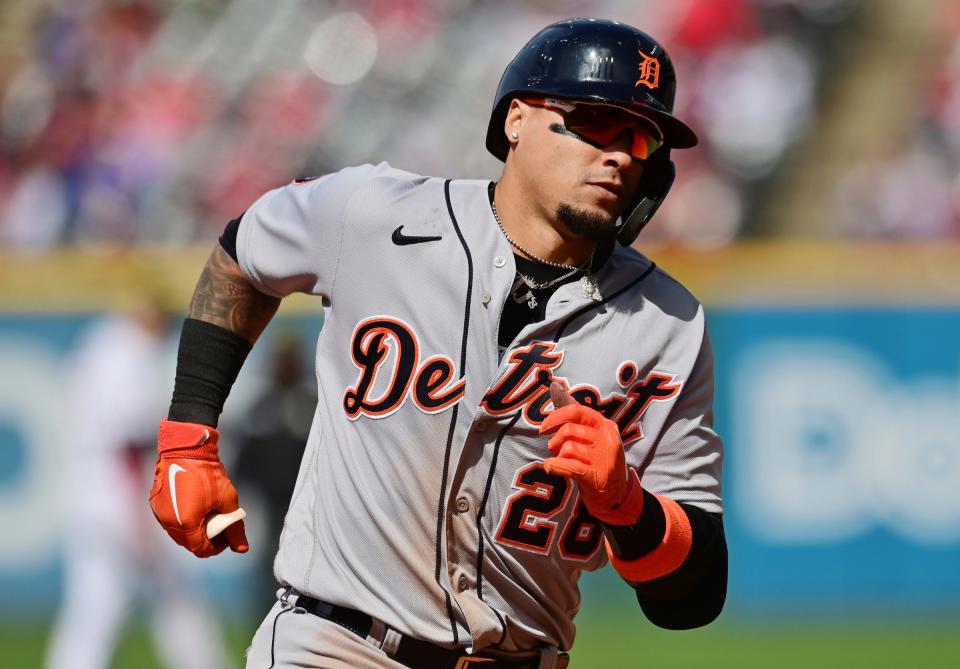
(587, 449)
(191, 487)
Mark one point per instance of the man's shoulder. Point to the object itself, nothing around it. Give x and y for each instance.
(656, 284)
(381, 176)
(360, 186)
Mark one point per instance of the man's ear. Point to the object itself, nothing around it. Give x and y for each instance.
(513, 122)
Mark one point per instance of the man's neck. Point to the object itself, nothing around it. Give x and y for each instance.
(537, 230)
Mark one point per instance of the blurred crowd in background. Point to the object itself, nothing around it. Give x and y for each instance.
(157, 121)
(907, 184)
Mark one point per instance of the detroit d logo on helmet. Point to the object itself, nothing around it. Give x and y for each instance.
(649, 71)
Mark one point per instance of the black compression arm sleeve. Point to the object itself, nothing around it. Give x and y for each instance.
(208, 362)
(693, 594)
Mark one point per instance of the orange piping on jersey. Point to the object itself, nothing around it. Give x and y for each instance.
(666, 557)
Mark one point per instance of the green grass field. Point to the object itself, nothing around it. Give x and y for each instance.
(741, 647)
(626, 641)
(612, 632)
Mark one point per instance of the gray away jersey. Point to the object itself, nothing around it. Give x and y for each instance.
(421, 498)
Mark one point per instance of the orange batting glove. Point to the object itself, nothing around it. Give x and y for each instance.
(587, 449)
(190, 487)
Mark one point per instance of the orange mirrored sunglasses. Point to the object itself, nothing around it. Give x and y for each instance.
(601, 124)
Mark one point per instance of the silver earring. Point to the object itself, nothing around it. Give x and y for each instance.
(515, 135)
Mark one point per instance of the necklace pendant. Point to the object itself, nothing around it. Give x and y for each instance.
(589, 287)
(532, 302)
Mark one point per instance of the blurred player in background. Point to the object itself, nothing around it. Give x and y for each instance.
(270, 445)
(113, 551)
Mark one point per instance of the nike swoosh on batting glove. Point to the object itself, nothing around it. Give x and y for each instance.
(587, 449)
(190, 486)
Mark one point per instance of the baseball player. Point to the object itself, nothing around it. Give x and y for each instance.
(115, 560)
(509, 394)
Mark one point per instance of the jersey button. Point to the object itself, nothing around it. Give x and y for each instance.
(462, 583)
(499, 261)
(485, 297)
(463, 504)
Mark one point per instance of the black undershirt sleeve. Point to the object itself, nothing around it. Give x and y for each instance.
(228, 240)
(693, 594)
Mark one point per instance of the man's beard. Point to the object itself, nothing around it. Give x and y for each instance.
(587, 225)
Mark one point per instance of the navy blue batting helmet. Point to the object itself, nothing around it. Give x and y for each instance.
(595, 60)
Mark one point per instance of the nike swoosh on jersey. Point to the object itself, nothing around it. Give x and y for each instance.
(401, 239)
(172, 474)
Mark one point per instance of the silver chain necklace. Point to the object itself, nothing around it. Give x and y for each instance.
(542, 261)
(523, 287)
(587, 283)
(540, 285)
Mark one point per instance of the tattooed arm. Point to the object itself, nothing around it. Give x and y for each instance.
(226, 316)
(225, 297)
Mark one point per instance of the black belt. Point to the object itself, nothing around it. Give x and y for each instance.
(411, 652)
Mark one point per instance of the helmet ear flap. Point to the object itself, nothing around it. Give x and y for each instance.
(653, 188)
